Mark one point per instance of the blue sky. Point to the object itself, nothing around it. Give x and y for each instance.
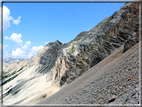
(29, 26)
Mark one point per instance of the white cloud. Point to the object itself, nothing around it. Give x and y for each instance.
(22, 50)
(6, 37)
(46, 42)
(16, 22)
(25, 47)
(18, 53)
(35, 50)
(7, 18)
(5, 46)
(15, 37)
(24, 53)
(28, 43)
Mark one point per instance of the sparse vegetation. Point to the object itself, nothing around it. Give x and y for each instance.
(41, 97)
(8, 80)
(20, 69)
(72, 49)
(9, 87)
(76, 39)
(12, 75)
(5, 73)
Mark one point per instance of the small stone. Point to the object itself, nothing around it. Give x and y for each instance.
(129, 78)
(111, 100)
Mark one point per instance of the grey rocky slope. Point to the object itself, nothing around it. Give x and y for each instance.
(115, 80)
(63, 63)
(119, 86)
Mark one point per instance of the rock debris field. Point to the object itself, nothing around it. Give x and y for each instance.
(119, 86)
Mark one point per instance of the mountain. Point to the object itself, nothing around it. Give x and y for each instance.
(91, 47)
(115, 80)
(58, 65)
(12, 60)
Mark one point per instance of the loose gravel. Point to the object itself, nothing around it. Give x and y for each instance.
(119, 86)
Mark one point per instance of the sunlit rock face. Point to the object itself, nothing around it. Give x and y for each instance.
(58, 64)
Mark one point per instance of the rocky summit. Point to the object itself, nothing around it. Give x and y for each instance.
(58, 65)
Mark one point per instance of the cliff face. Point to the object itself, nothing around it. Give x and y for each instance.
(63, 63)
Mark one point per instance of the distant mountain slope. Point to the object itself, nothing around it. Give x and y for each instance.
(12, 60)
